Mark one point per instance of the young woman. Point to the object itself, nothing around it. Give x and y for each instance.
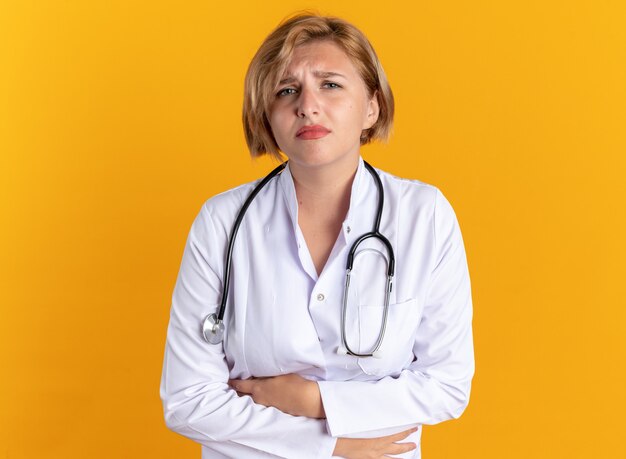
(311, 359)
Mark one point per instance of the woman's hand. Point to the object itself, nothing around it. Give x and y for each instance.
(373, 448)
(297, 396)
(289, 393)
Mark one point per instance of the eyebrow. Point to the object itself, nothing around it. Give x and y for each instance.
(318, 74)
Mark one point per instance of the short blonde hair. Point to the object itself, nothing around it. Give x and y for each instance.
(271, 59)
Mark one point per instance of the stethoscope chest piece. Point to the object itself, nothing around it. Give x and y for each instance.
(213, 329)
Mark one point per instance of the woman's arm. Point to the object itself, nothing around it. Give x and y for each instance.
(197, 401)
(434, 388)
(290, 393)
(298, 396)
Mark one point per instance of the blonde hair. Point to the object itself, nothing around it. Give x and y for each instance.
(271, 59)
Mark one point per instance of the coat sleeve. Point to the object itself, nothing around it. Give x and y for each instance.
(197, 401)
(436, 385)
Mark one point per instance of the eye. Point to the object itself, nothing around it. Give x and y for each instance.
(330, 85)
(286, 92)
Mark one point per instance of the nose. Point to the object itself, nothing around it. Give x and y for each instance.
(308, 103)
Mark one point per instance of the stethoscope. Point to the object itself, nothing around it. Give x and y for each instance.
(213, 324)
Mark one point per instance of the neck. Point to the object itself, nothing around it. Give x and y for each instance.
(324, 185)
(323, 194)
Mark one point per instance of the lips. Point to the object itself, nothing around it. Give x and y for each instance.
(312, 132)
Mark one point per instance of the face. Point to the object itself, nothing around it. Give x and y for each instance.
(321, 107)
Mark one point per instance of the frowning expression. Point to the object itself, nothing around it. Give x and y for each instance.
(321, 106)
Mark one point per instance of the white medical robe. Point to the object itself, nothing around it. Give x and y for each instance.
(283, 318)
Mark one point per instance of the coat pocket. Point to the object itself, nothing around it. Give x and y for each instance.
(396, 350)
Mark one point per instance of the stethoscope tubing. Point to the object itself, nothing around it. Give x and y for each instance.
(233, 236)
(213, 327)
(391, 264)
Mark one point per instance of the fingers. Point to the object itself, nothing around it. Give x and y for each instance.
(401, 435)
(242, 386)
(393, 447)
(400, 448)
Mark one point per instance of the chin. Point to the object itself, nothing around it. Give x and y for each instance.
(314, 159)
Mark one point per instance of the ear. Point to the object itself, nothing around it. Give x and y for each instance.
(373, 110)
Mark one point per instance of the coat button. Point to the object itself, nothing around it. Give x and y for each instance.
(320, 297)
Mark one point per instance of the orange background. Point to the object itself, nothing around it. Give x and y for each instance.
(119, 119)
